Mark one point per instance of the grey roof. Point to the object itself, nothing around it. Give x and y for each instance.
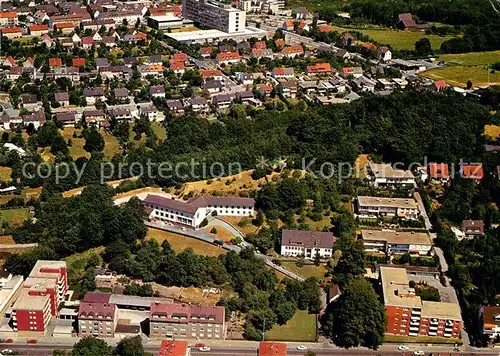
(155, 59)
(307, 238)
(101, 62)
(62, 96)
(212, 84)
(129, 60)
(156, 89)
(121, 92)
(29, 98)
(352, 96)
(174, 104)
(136, 301)
(197, 100)
(87, 92)
(221, 98)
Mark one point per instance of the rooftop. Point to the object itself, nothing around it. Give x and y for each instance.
(384, 170)
(187, 313)
(267, 348)
(47, 269)
(397, 237)
(201, 35)
(307, 238)
(387, 202)
(31, 302)
(173, 348)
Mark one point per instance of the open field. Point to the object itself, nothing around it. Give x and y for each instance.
(459, 75)
(15, 217)
(242, 182)
(306, 271)
(234, 220)
(302, 327)
(5, 173)
(492, 130)
(111, 144)
(76, 150)
(318, 225)
(221, 233)
(421, 339)
(398, 39)
(466, 66)
(181, 242)
(159, 130)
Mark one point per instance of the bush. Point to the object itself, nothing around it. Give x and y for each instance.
(213, 230)
(300, 263)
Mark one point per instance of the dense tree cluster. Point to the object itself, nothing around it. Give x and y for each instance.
(259, 294)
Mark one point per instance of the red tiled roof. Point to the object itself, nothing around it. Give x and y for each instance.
(260, 45)
(176, 65)
(55, 62)
(228, 56)
(96, 297)
(319, 68)
(39, 28)
(211, 73)
(206, 50)
(267, 348)
(293, 49)
(440, 84)
(280, 42)
(407, 19)
(62, 25)
(8, 15)
(474, 171)
(12, 30)
(181, 57)
(93, 310)
(79, 62)
(438, 170)
(173, 348)
(324, 28)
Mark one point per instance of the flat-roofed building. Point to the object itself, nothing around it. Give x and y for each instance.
(214, 15)
(375, 207)
(164, 22)
(297, 243)
(56, 270)
(174, 348)
(408, 315)
(397, 242)
(384, 175)
(183, 321)
(9, 290)
(31, 314)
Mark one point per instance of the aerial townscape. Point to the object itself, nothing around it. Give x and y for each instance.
(249, 177)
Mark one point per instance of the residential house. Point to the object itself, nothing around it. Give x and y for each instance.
(472, 171)
(302, 27)
(288, 25)
(65, 27)
(175, 106)
(94, 116)
(62, 98)
(122, 94)
(228, 58)
(391, 242)
(211, 74)
(91, 95)
(363, 83)
(439, 172)
(55, 62)
(66, 118)
(30, 101)
(222, 101)
(354, 71)
(288, 89)
(407, 22)
(206, 52)
(377, 207)
(384, 54)
(38, 30)
(79, 62)
(9, 19)
(213, 86)
(157, 91)
(385, 175)
(12, 32)
(150, 111)
(120, 113)
(177, 66)
(473, 228)
(307, 244)
(347, 39)
(319, 68)
(101, 62)
(281, 72)
(197, 104)
(293, 51)
(490, 320)
(262, 53)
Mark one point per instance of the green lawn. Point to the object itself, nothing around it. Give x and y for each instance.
(398, 39)
(472, 58)
(302, 327)
(111, 144)
(14, 217)
(159, 130)
(306, 271)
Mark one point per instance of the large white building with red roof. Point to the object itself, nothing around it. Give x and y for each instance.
(193, 211)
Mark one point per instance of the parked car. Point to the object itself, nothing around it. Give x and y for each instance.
(403, 348)
(419, 353)
(199, 345)
(204, 349)
(32, 341)
(9, 341)
(301, 347)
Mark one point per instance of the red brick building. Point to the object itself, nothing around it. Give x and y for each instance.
(31, 314)
(408, 315)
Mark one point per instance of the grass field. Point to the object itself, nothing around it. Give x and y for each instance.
(306, 271)
(5, 173)
(181, 242)
(159, 130)
(14, 217)
(221, 233)
(234, 220)
(398, 39)
(467, 66)
(302, 327)
(76, 150)
(111, 144)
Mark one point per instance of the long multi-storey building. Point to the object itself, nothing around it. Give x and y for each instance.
(384, 175)
(193, 211)
(376, 207)
(54, 270)
(214, 15)
(408, 315)
(396, 242)
(182, 321)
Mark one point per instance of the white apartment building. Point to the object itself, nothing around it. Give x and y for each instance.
(374, 207)
(384, 175)
(397, 242)
(214, 15)
(298, 243)
(193, 211)
(260, 6)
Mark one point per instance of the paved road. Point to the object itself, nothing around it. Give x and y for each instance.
(423, 212)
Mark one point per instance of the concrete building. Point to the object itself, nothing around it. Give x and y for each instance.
(297, 243)
(97, 318)
(214, 15)
(193, 211)
(490, 318)
(182, 321)
(408, 315)
(164, 22)
(376, 207)
(56, 270)
(396, 242)
(384, 175)
(31, 314)
(10, 287)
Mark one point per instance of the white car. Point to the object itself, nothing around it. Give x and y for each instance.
(419, 353)
(403, 348)
(7, 351)
(301, 347)
(204, 349)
